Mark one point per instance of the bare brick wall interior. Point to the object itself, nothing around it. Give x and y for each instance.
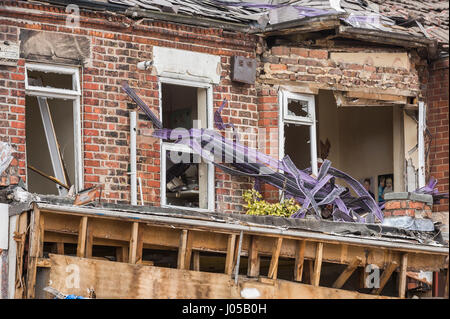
(437, 123)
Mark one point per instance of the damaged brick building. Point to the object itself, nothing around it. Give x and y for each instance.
(351, 82)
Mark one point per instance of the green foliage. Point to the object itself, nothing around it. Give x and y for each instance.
(257, 206)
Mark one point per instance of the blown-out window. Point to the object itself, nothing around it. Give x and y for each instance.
(52, 128)
(186, 180)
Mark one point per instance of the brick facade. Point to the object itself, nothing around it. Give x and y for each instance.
(116, 48)
(118, 45)
(437, 123)
(314, 66)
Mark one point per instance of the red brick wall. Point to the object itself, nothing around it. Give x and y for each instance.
(12, 110)
(117, 44)
(313, 66)
(437, 122)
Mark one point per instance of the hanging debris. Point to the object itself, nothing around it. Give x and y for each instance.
(311, 192)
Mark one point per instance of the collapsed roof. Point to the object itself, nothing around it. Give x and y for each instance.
(427, 19)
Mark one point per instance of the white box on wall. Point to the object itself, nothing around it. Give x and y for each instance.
(4, 226)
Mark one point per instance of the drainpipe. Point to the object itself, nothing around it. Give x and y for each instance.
(133, 158)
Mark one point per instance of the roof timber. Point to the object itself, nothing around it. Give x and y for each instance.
(106, 226)
(136, 231)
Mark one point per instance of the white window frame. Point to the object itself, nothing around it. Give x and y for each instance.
(285, 118)
(168, 146)
(73, 95)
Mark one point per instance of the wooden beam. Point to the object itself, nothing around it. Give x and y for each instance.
(89, 241)
(133, 242)
(253, 260)
(213, 240)
(41, 235)
(190, 239)
(181, 264)
(20, 237)
(231, 246)
(60, 248)
(140, 244)
(196, 261)
(402, 276)
(387, 272)
(81, 247)
(343, 277)
(376, 96)
(446, 286)
(318, 264)
(273, 269)
(33, 252)
(299, 260)
(43, 263)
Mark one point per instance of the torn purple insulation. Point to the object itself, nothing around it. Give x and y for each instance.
(218, 121)
(156, 122)
(431, 189)
(312, 193)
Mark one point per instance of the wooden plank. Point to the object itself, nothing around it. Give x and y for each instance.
(231, 247)
(89, 241)
(33, 252)
(81, 247)
(133, 243)
(196, 261)
(140, 244)
(402, 276)
(387, 272)
(343, 277)
(60, 248)
(43, 262)
(253, 260)
(145, 282)
(41, 235)
(181, 264)
(377, 96)
(299, 260)
(190, 239)
(273, 269)
(318, 264)
(20, 237)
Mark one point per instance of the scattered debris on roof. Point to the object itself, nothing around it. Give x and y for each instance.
(416, 18)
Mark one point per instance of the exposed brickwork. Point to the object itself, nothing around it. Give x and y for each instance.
(437, 123)
(118, 43)
(12, 110)
(116, 49)
(314, 66)
(407, 208)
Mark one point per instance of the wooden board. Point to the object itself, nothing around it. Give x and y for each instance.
(120, 280)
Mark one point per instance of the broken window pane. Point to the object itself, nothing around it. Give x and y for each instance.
(38, 153)
(186, 180)
(180, 106)
(298, 108)
(297, 144)
(51, 80)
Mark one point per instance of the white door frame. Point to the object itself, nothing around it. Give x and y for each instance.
(285, 118)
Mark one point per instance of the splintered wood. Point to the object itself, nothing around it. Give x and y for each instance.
(133, 275)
